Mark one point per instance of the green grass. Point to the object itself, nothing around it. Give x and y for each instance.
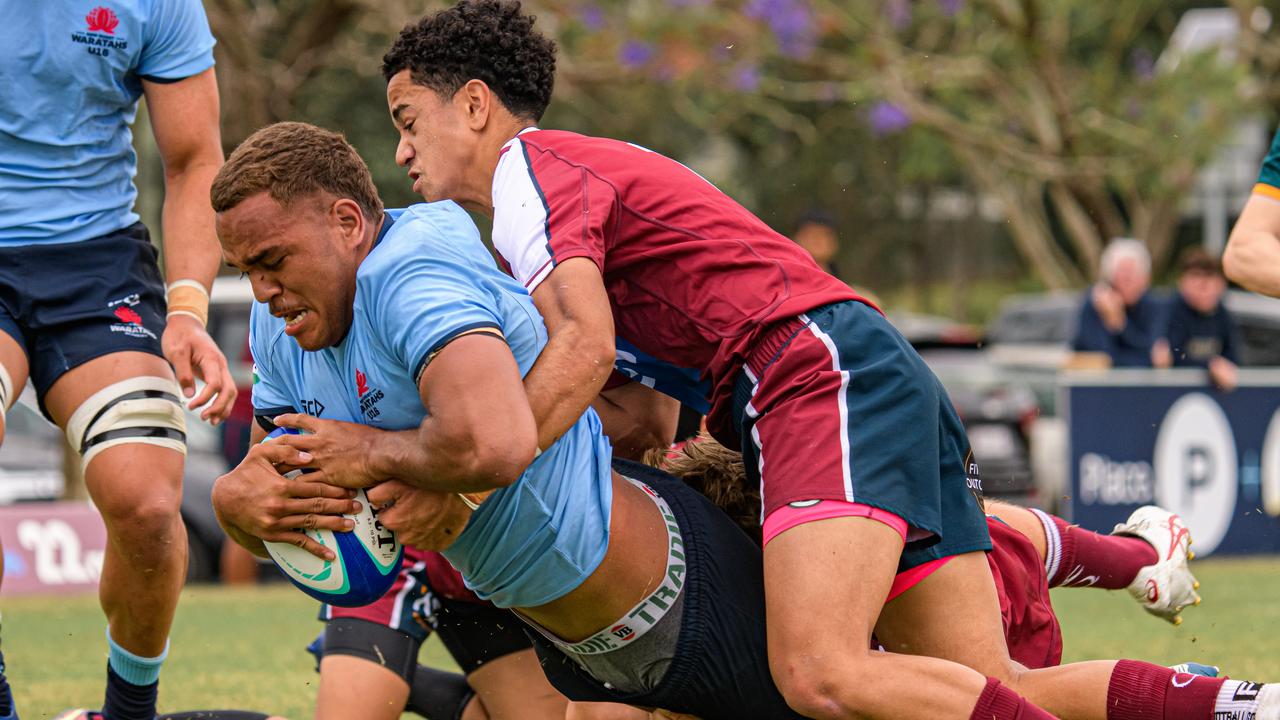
(1234, 628)
(237, 648)
(244, 647)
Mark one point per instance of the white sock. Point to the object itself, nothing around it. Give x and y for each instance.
(1244, 700)
(1269, 703)
(1053, 545)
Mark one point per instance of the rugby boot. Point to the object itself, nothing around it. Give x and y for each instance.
(1165, 588)
(1195, 668)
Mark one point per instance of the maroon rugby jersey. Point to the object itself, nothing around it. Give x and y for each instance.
(692, 276)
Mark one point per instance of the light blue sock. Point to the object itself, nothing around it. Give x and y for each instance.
(134, 669)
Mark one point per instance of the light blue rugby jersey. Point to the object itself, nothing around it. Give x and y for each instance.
(428, 279)
(70, 79)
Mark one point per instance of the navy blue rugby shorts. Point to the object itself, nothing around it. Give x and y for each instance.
(68, 303)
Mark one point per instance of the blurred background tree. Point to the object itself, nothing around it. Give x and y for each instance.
(957, 143)
(1056, 109)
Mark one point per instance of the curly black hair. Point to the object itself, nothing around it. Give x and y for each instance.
(487, 40)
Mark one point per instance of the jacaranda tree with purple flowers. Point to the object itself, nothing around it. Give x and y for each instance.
(1055, 108)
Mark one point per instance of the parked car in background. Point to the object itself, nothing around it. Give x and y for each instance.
(1036, 330)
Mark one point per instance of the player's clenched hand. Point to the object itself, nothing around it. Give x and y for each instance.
(193, 354)
(425, 519)
(254, 502)
(339, 450)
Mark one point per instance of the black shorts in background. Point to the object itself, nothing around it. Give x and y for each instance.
(721, 667)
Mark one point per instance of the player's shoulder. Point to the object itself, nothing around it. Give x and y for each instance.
(571, 148)
(434, 243)
(423, 234)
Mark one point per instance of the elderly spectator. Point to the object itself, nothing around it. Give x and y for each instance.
(1198, 330)
(1118, 317)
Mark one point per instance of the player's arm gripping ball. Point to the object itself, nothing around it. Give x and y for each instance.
(358, 561)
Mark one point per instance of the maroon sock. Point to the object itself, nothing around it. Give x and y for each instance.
(1142, 691)
(998, 702)
(1079, 557)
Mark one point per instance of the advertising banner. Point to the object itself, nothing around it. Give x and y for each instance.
(51, 547)
(1166, 438)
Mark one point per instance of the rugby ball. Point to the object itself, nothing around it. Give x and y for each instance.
(366, 563)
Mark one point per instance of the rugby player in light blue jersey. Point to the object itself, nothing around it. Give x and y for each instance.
(404, 348)
(85, 314)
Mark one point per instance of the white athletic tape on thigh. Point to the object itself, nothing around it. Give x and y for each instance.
(644, 616)
(138, 410)
(6, 390)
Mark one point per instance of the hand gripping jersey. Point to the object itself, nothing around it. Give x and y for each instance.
(72, 74)
(692, 276)
(427, 281)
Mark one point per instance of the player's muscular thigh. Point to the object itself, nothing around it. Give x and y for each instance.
(79, 383)
(954, 614)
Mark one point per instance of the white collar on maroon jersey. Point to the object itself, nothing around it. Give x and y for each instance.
(509, 143)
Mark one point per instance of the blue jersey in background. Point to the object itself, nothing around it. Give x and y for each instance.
(71, 74)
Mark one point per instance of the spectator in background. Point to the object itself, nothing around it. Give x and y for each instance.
(1198, 331)
(1119, 318)
(816, 233)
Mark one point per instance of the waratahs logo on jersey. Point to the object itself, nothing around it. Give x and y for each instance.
(369, 397)
(100, 36)
(102, 19)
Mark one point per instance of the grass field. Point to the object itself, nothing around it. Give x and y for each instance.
(243, 648)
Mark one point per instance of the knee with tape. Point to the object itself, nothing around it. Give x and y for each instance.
(143, 410)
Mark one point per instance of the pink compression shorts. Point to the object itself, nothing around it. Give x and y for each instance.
(789, 516)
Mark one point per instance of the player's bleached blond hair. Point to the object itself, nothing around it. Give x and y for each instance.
(718, 473)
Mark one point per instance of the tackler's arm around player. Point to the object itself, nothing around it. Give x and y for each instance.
(184, 118)
(578, 359)
(424, 519)
(478, 435)
(254, 502)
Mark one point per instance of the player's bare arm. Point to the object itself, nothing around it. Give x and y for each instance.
(1252, 258)
(637, 418)
(579, 356)
(478, 434)
(184, 118)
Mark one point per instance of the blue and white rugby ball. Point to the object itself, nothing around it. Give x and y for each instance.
(367, 559)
